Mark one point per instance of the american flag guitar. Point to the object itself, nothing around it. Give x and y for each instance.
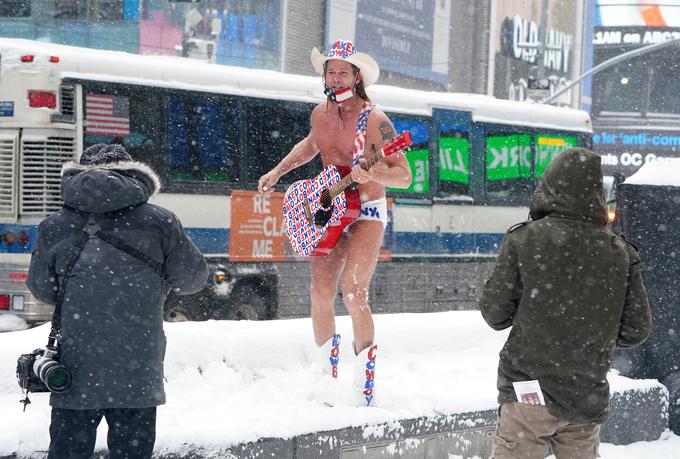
(316, 211)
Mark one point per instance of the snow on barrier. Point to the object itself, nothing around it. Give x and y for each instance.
(248, 389)
(638, 414)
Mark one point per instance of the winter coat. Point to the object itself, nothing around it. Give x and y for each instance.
(571, 291)
(112, 313)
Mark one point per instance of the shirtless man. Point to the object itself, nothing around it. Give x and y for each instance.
(352, 261)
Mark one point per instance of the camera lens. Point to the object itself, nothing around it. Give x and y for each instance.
(58, 378)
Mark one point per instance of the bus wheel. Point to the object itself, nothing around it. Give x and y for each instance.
(176, 313)
(247, 304)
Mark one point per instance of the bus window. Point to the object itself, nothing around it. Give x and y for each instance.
(129, 117)
(94, 10)
(547, 147)
(419, 155)
(454, 162)
(70, 9)
(106, 10)
(274, 128)
(508, 167)
(203, 139)
(15, 8)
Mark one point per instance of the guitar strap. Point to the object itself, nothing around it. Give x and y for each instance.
(360, 135)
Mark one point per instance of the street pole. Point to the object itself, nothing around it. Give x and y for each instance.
(579, 40)
(611, 62)
(540, 71)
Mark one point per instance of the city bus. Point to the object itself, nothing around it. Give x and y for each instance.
(210, 131)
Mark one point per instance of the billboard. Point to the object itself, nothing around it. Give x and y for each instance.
(635, 107)
(516, 44)
(408, 37)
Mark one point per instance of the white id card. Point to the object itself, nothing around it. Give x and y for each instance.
(529, 392)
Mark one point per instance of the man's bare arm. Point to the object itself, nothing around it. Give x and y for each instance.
(393, 171)
(302, 153)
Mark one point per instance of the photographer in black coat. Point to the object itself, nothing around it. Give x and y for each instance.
(112, 336)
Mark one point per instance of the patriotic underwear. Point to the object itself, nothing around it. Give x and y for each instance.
(373, 210)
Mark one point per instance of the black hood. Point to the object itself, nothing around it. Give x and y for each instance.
(571, 187)
(108, 187)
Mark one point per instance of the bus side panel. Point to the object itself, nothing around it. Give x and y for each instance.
(443, 284)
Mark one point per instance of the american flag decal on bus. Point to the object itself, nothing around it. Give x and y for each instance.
(107, 115)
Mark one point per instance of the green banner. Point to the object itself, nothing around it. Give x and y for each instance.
(454, 160)
(420, 172)
(508, 157)
(547, 147)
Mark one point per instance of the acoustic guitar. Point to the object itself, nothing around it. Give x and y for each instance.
(316, 211)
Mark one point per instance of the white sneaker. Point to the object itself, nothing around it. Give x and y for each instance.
(329, 356)
(363, 388)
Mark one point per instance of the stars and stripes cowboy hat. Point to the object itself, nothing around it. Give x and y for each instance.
(344, 50)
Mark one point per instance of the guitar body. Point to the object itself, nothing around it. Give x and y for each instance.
(306, 238)
(314, 230)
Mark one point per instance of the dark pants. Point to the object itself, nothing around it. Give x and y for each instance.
(132, 432)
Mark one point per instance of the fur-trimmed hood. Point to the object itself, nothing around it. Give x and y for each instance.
(107, 187)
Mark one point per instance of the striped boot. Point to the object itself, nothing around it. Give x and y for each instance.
(363, 388)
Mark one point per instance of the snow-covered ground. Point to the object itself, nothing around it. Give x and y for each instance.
(232, 382)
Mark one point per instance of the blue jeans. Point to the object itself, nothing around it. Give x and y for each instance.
(132, 432)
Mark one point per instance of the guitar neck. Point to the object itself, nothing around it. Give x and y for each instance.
(347, 179)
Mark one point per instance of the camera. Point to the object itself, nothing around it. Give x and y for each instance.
(40, 371)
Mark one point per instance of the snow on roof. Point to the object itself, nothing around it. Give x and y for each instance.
(190, 74)
(662, 172)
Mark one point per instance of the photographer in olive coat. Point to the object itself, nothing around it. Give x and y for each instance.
(571, 291)
(112, 336)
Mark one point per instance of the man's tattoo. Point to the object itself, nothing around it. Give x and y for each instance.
(387, 131)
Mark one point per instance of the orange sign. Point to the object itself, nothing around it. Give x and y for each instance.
(257, 229)
(258, 232)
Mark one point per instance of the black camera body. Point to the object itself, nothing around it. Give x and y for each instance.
(40, 371)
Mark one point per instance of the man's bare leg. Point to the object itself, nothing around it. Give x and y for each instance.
(361, 246)
(324, 288)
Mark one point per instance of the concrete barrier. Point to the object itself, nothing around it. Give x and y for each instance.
(635, 415)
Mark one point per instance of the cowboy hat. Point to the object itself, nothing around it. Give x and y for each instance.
(344, 50)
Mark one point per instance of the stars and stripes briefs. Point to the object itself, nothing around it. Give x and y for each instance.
(107, 115)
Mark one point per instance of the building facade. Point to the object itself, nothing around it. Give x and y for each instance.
(479, 46)
(516, 68)
(426, 44)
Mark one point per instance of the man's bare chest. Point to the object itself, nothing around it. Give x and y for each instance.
(335, 140)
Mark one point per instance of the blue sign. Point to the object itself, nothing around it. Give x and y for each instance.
(420, 132)
(625, 150)
(6, 108)
(637, 139)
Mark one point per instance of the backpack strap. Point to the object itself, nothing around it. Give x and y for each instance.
(91, 230)
(94, 230)
(75, 252)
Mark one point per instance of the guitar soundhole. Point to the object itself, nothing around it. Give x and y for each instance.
(322, 216)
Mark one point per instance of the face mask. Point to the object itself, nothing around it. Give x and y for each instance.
(338, 96)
